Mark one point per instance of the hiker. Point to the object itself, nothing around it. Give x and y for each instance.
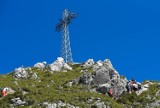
(110, 92)
(136, 86)
(133, 85)
(4, 92)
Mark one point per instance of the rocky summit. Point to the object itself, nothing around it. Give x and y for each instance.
(78, 85)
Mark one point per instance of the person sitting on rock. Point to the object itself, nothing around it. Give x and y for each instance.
(130, 85)
(133, 85)
(136, 86)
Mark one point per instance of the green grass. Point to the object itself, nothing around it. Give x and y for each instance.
(50, 87)
(129, 99)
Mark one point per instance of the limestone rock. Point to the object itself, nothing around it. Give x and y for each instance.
(40, 65)
(146, 86)
(100, 104)
(88, 63)
(86, 78)
(34, 76)
(53, 105)
(155, 104)
(59, 65)
(101, 76)
(17, 102)
(97, 65)
(158, 93)
(66, 66)
(105, 77)
(20, 73)
(52, 67)
(61, 104)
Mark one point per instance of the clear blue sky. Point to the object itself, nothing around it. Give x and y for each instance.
(125, 31)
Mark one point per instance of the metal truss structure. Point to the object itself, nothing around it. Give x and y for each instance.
(62, 26)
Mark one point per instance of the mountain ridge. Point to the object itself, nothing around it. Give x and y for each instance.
(80, 85)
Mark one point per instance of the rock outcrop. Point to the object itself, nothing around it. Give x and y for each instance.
(20, 72)
(88, 85)
(104, 74)
(59, 104)
(17, 102)
(40, 65)
(88, 63)
(59, 65)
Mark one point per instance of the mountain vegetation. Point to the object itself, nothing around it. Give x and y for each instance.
(62, 90)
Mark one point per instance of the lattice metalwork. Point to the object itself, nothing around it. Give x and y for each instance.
(62, 26)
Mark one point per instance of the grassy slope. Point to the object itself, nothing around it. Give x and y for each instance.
(141, 100)
(52, 88)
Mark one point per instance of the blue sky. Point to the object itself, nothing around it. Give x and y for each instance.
(125, 31)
